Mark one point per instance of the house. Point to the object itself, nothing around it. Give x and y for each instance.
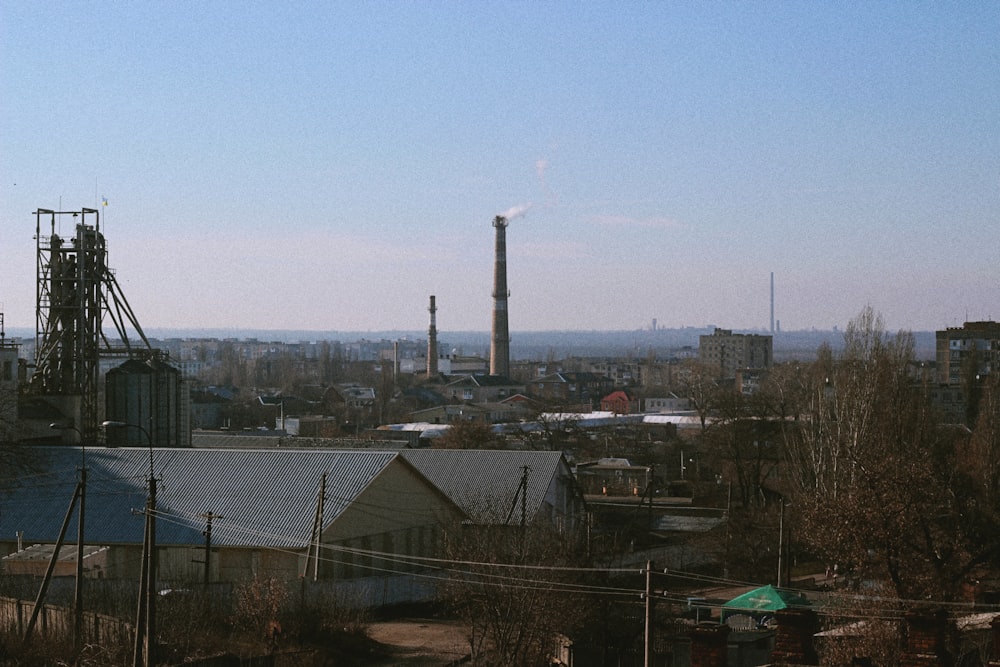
(265, 505)
(355, 396)
(566, 388)
(480, 388)
(352, 404)
(613, 477)
(620, 403)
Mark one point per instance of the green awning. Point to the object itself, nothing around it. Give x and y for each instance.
(765, 598)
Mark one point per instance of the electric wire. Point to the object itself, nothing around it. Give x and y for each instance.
(879, 607)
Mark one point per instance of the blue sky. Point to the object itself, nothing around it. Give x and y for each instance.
(330, 165)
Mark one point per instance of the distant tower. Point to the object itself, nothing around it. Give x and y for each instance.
(772, 301)
(432, 341)
(500, 342)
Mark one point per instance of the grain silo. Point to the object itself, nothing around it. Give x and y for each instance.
(150, 398)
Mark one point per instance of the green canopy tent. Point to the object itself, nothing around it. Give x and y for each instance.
(763, 601)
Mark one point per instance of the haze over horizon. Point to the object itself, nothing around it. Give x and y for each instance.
(326, 166)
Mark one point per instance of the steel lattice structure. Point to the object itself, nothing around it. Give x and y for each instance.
(76, 293)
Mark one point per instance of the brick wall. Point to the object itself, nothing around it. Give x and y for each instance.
(793, 640)
(995, 655)
(708, 645)
(926, 640)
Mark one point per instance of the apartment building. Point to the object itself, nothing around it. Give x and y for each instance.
(729, 352)
(974, 346)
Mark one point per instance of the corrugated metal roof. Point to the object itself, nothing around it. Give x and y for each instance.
(486, 483)
(686, 419)
(219, 440)
(267, 497)
(43, 553)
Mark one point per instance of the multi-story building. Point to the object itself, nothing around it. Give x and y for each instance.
(974, 347)
(622, 373)
(729, 352)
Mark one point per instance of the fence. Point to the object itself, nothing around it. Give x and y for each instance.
(55, 623)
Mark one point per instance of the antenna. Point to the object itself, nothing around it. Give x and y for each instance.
(772, 302)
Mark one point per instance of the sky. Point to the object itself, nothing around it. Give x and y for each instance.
(329, 165)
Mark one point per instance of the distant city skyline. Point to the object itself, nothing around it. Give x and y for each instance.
(327, 166)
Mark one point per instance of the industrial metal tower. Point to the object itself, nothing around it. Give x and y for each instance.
(500, 341)
(76, 292)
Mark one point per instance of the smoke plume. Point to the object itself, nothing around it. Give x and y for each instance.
(516, 211)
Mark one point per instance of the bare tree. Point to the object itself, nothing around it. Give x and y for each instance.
(698, 383)
(469, 435)
(512, 593)
(880, 484)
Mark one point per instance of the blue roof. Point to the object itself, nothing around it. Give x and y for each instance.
(264, 497)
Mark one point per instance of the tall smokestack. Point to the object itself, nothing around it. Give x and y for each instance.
(772, 301)
(432, 341)
(500, 342)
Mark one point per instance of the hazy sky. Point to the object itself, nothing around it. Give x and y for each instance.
(330, 165)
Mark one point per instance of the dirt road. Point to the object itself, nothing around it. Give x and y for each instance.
(420, 642)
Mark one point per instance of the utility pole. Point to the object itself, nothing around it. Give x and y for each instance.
(524, 496)
(78, 593)
(522, 491)
(648, 630)
(82, 486)
(729, 508)
(145, 618)
(140, 612)
(649, 490)
(208, 516)
(151, 587)
(312, 535)
(52, 565)
(319, 525)
(781, 538)
(144, 652)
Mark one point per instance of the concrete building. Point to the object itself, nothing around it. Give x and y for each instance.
(975, 346)
(729, 352)
(666, 404)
